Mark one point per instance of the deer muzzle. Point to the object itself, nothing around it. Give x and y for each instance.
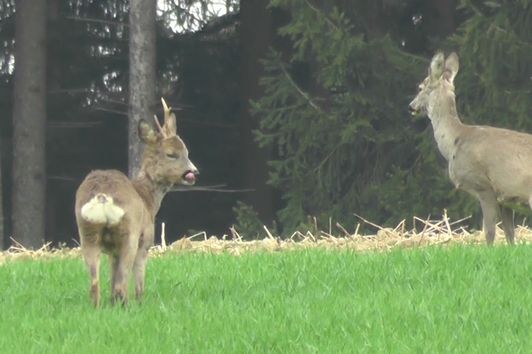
(412, 110)
(189, 177)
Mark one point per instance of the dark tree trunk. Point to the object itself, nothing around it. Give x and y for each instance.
(29, 123)
(141, 73)
(57, 212)
(256, 36)
(3, 237)
(444, 18)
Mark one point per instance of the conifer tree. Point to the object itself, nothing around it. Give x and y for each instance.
(335, 109)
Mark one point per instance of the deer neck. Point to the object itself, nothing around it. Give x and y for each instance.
(151, 193)
(445, 122)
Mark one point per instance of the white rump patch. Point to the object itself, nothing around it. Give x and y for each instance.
(102, 210)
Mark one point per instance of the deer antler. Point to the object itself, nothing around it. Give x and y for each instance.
(167, 110)
(169, 126)
(158, 124)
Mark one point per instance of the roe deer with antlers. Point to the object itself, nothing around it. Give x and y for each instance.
(116, 215)
(492, 164)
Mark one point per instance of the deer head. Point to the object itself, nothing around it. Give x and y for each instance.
(440, 81)
(165, 161)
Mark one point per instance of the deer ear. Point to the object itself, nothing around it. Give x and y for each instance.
(436, 66)
(146, 132)
(451, 66)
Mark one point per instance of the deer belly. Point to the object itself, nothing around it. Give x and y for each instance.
(516, 188)
(505, 183)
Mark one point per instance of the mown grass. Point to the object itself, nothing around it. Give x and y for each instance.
(433, 300)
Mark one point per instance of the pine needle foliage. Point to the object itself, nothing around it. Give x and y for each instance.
(335, 113)
(496, 45)
(335, 110)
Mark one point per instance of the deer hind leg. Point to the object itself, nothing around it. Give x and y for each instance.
(139, 268)
(490, 213)
(508, 224)
(121, 265)
(113, 264)
(91, 253)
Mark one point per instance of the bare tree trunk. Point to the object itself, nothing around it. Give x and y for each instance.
(29, 123)
(141, 73)
(3, 237)
(446, 23)
(256, 36)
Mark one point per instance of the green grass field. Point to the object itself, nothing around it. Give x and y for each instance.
(462, 299)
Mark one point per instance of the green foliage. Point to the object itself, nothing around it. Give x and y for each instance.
(335, 111)
(495, 49)
(247, 221)
(433, 300)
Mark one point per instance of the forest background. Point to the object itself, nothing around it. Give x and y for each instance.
(295, 111)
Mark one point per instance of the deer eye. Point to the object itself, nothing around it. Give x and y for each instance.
(172, 156)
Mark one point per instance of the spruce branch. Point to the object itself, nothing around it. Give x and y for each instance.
(96, 20)
(299, 90)
(319, 12)
(511, 35)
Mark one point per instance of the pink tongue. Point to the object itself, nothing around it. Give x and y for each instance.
(189, 177)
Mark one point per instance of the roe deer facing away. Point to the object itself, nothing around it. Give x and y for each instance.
(116, 215)
(492, 164)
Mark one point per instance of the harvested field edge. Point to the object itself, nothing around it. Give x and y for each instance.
(442, 232)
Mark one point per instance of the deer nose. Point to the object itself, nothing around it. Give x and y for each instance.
(193, 169)
(411, 109)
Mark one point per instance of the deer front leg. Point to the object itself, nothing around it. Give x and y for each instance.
(508, 224)
(490, 213)
(91, 254)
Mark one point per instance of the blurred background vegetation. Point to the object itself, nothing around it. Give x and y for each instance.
(302, 101)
